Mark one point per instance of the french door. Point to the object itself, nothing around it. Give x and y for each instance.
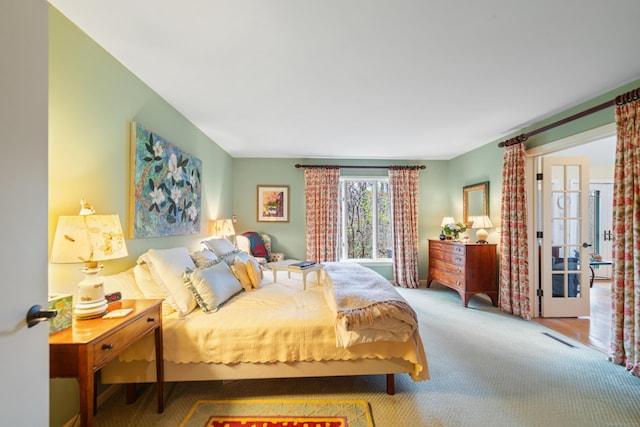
(565, 269)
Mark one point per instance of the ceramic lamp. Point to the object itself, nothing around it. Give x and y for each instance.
(482, 222)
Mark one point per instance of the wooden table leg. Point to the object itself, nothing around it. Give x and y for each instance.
(86, 382)
(159, 369)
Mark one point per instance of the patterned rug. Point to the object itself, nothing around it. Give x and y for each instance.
(278, 413)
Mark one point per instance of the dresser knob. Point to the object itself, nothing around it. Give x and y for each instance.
(458, 282)
(107, 346)
(151, 319)
(459, 270)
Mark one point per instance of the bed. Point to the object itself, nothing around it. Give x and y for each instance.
(270, 330)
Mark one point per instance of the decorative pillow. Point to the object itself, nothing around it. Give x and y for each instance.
(258, 248)
(220, 246)
(239, 268)
(254, 272)
(203, 257)
(149, 288)
(212, 286)
(166, 266)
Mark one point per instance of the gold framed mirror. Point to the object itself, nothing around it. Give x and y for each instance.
(475, 201)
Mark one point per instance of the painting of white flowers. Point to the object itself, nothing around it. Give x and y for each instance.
(166, 188)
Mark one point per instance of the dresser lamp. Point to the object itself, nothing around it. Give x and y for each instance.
(88, 238)
(482, 222)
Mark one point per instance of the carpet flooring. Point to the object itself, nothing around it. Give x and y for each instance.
(487, 368)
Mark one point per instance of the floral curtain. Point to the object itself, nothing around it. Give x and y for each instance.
(625, 287)
(403, 186)
(514, 267)
(322, 187)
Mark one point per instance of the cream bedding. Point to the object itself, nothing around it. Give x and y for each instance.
(366, 307)
(279, 322)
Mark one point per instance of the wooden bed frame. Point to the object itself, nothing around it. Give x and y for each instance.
(118, 372)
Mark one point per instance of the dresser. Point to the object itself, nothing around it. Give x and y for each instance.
(468, 268)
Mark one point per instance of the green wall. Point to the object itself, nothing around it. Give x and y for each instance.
(92, 101)
(248, 173)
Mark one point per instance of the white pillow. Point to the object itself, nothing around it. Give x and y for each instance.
(203, 257)
(149, 288)
(220, 246)
(167, 266)
(125, 283)
(212, 286)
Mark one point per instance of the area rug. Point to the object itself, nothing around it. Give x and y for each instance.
(278, 413)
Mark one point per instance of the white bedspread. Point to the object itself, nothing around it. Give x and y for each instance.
(367, 307)
(278, 322)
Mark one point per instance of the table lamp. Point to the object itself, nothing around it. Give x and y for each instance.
(482, 222)
(222, 228)
(88, 238)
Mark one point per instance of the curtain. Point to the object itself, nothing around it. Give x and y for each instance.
(403, 185)
(322, 187)
(514, 266)
(625, 287)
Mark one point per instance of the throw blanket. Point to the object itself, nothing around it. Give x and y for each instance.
(367, 308)
(258, 249)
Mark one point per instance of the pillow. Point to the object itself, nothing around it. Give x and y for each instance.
(125, 283)
(149, 288)
(166, 266)
(203, 257)
(254, 272)
(212, 286)
(220, 246)
(239, 268)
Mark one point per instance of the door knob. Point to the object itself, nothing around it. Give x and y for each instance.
(586, 245)
(35, 315)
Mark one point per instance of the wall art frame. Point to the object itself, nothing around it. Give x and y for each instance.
(273, 203)
(166, 187)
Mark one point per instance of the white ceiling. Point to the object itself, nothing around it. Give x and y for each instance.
(393, 79)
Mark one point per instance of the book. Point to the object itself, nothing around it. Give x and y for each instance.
(303, 264)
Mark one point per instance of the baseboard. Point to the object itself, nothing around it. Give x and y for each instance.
(102, 397)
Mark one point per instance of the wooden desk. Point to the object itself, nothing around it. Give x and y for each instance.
(80, 351)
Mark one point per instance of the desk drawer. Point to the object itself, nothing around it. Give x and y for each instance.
(105, 349)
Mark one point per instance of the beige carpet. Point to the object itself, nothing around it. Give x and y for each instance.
(487, 369)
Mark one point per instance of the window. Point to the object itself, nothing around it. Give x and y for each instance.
(365, 214)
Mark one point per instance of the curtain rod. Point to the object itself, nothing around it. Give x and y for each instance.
(619, 100)
(298, 165)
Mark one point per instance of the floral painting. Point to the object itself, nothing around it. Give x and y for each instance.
(166, 188)
(273, 203)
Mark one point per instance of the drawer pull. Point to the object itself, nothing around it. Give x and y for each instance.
(458, 282)
(458, 259)
(107, 346)
(458, 250)
(458, 270)
(151, 319)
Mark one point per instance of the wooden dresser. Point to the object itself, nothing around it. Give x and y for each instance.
(468, 268)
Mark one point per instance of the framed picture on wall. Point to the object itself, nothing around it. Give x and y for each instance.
(273, 203)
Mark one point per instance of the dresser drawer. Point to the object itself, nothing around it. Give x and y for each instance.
(456, 257)
(447, 266)
(447, 278)
(106, 348)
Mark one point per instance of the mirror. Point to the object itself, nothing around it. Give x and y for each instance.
(475, 201)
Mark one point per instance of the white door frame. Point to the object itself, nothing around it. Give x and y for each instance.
(531, 188)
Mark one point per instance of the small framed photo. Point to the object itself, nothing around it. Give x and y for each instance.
(273, 203)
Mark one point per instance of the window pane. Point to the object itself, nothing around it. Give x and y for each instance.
(359, 219)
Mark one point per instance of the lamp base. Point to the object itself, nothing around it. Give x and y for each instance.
(91, 300)
(482, 235)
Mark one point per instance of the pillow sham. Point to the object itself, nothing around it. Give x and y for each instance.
(220, 246)
(123, 282)
(212, 286)
(166, 266)
(203, 257)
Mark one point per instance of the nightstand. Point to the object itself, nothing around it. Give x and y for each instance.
(80, 351)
